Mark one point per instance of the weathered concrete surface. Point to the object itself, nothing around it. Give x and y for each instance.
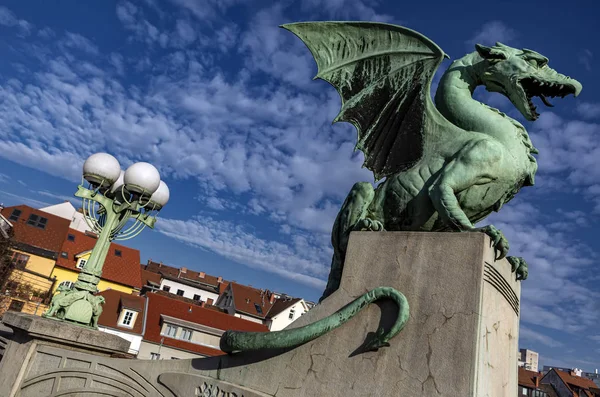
(87, 339)
(461, 339)
(25, 355)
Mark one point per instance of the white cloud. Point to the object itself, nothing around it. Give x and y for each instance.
(235, 243)
(527, 334)
(348, 10)
(588, 110)
(18, 199)
(490, 33)
(8, 18)
(61, 197)
(78, 42)
(586, 57)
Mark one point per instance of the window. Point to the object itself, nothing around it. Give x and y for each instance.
(166, 288)
(16, 306)
(127, 319)
(171, 330)
(66, 285)
(180, 292)
(196, 297)
(14, 216)
(118, 253)
(186, 334)
(81, 263)
(524, 391)
(37, 221)
(19, 260)
(258, 308)
(292, 312)
(154, 356)
(70, 237)
(64, 254)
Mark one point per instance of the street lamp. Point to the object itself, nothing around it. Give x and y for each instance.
(111, 199)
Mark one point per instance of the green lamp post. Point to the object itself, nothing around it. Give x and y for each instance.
(117, 205)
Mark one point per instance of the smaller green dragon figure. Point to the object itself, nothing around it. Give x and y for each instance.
(446, 166)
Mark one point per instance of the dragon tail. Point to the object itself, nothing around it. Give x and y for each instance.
(235, 341)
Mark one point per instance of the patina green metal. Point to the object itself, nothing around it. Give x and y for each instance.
(78, 304)
(446, 166)
(233, 341)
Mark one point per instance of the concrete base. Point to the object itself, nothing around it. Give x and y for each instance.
(26, 353)
(460, 341)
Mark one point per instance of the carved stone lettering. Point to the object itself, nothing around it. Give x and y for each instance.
(208, 390)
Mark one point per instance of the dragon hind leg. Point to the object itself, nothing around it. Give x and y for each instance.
(352, 216)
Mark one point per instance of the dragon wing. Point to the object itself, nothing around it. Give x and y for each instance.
(383, 74)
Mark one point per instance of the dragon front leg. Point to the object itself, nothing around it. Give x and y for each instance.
(476, 164)
(352, 216)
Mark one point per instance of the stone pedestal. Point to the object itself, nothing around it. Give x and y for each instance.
(461, 338)
(39, 345)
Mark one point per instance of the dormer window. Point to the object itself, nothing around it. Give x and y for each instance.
(258, 308)
(81, 263)
(127, 318)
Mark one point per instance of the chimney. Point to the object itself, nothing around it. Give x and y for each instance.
(209, 301)
(536, 380)
(219, 279)
(272, 298)
(183, 270)
(202, 275)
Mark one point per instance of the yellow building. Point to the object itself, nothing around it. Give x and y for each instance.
(121, 269)
(37, 240)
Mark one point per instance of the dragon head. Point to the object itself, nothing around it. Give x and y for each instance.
(522, 74)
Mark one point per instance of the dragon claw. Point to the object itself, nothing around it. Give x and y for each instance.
(498, 240)
(368, 224)
(518, 266)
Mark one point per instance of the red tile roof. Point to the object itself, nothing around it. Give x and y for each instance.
(527, 378)
(574, 382)
(160, 304)
(280, 305)
(148, 277)
(124, 269)
(112, 309)
(160, 268)
(252, 301)
(50, 238)
(184, 274)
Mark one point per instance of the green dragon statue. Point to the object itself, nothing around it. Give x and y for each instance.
(446, 166)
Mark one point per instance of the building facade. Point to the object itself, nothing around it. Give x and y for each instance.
(121, 269)
(176, 329)
(37, 238)
(529, 359)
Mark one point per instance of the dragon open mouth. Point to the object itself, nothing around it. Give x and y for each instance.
(534, 87)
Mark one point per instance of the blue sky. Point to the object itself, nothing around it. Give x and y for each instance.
(221, 100)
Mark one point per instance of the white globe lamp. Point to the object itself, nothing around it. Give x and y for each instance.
(101, 169)
(161, 196)
(142, 178)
